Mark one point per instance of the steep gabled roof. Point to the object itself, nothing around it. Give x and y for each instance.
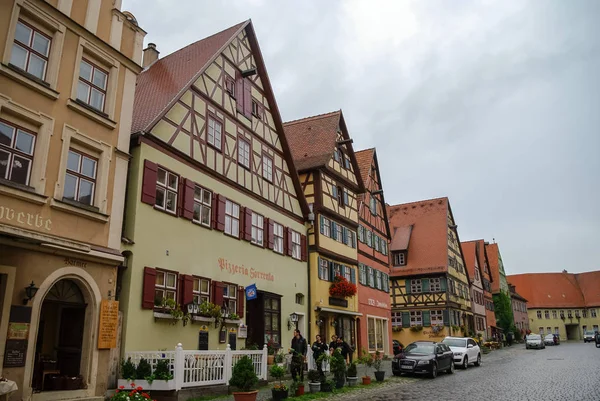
(163, 82)
(313, 140)
(470, 253)
(494, 264)
(365, 158)
(589, 283)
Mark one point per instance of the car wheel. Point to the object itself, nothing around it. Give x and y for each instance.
(451, 368)
(527, 347)
(434, 371)
(597, 345)
(465, 363)
(398, 374)
(478, 362)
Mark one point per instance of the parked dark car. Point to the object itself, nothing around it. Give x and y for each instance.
(597, 340)
(424, 357)
(396, 345)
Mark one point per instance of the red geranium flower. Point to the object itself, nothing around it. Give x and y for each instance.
(342, 288)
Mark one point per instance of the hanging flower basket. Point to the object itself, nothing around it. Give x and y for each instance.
(341, 288)
(436, 328)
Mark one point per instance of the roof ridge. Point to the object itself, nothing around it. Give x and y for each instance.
(364, 150)
(311, 118)
(416, 202)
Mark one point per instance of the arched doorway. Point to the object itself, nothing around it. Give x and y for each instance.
(60, 336)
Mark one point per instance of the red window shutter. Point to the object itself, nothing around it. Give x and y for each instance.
(303, 247)
(247, 98)
(269, 234)
(247, 224)
(289, 241)
(239, 91)
(220, 213)
(148, 288)
(240, 302)
(149, 183)
(188, 199)
(218, 293)
(187, 296)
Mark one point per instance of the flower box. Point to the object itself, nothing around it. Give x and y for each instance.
(233, 321)
(163, 315)
(203, 319)
(157, 385)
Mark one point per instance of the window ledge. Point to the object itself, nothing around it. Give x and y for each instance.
(203, 319)
(91, 113)
(80, 210)
(233, 321)
(22, 192)
(28, 80)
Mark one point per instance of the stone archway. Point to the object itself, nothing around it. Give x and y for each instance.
(68, 284)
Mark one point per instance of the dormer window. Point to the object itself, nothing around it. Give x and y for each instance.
(399, 258)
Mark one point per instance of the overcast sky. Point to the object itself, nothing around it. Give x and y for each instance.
(495, 104)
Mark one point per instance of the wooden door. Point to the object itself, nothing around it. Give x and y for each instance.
(70, 340)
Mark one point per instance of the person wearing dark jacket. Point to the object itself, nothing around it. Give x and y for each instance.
(298, 352)
(333, 344)
(345, 349)
(318, 349)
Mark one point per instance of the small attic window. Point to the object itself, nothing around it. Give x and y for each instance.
(399, 258)
(230, 86)
(300, 299)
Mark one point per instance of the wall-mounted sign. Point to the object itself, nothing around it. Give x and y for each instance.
(233, 269)
(251, 292)
(109, 323)
(379, 304)
(17, 336)
(338, 302)
(14, 354)
(75, 262)
(242, 331)
(24, 219)
(18, 331)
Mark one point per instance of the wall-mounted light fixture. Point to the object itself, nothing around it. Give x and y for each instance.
(30, 292)
(293, 321)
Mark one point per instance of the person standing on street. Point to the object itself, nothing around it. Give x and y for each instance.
(318, 349)
(298, 352)
(333, 344)
(345, 349)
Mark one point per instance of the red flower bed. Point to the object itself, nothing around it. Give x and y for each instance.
(342, 288)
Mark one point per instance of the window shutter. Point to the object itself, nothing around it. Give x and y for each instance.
(269, 233)
(217, 291)
(148, 288)
(188, 199)
(149, 183)
(346, 202)
(425, 284)
(289, 241)
(331, 271)
(247, 98)
(353, 237)
(407, 282)
(443, 284)
(360, 233)
(240, 302)
(426, 318)
(247, 224)
(446, 318)
(405, 319)
(344, 235)
(353, 275)
(187, 294)
(303, 248)
(385, 282)
(239, 91)
(321, 225)
(369, 279)
(220, 213)
(334, 230)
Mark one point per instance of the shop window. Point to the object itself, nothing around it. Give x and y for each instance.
(232, 218)
(201, 290)
(166, 190)
(16, 153)
(272, 310)
(80, 179)
(165, 286)
(202, 206)
(277, 238)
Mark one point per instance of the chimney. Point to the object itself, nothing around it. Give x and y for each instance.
(150, 55)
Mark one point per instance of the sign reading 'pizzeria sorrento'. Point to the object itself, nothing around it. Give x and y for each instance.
(234, 269)
(14, 216)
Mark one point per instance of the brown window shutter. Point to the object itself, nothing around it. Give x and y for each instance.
(220, 213)
(149, 183)
(247, 97)
(289, 241)
(303, 247)
(269, 234)
(218, 293)
(239, 91)
(240, 302)
(148, 288)
(247, 224)
(187, 296)
(188, 199)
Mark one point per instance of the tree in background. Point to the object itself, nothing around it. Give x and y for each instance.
(504, 313)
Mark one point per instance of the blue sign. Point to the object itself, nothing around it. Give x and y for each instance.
(251, 292)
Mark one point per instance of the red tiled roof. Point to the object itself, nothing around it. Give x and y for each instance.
(589, 283)
(468, 249)
(161, 83)
(483, 260)
(364, 158)
(428, 247)
(401, 238)
(312, 140)
(492, 254)
(549, 290)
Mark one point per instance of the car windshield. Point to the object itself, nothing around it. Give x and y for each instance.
(589, 333)
(534, 337)
(455, 342)
(549, 337)
(421, 349)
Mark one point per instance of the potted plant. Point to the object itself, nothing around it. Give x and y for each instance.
(338, 368)
(298, 386)
(352, 375)
(279, 391)
(128, 370)
(314, 381)
(327, 385)
(279, 358)
(367, 360)
(244, 379)
(379, 374)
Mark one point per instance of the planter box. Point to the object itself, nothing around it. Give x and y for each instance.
(203, 319)
(163, 316)
(158, 385)
(231, 321)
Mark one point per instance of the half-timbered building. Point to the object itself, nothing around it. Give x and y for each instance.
(473, 255)
(214, 203)
(374, 326)
(330, 178)
(491, 330)
(429, 282)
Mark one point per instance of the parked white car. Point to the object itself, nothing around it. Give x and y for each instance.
(534, 341)
(465, 351)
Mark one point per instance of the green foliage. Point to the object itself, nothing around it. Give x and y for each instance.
(128, 369)
(314, 376)
(416, 328)
(518, 336)
(144, 370)
(352, 370)
(504, 313)
(162, 371)
(338, 364)
(243, 376)
(277, 372)
(377, 361)
(279, 357)
(132, 394)
(367, 360)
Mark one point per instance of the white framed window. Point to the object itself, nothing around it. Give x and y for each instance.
(296, 247)
(416, 318)
(593, 313)
(267, 168)
(554, 315)
(167, 184)
(92, 84)
(346, 197)
(435, 285)
(300, 299)
(373, 205)
(539, 314)
(349, 240)
(362, 274)
(30, 50)
(326, 226)
(214, 133)
(416, 286)
(378, 282)
(339, 233)
(230, 86)
(201, 290)
(371, 277)
(376, 334)
(256, 109)
(376, 242)
(547, 314)
(324, 269)
(230, 298)
(347, 163)
(244, 153)
(384, 247)
(232, 218)
(396, 319)
(16, 153)
(347, 274)
(202, 206)
(80, 179)
(569, 313)
(437, 317)
(369, 238)
(257, 229)
(277, 238)
(165, 286)
(399, 258)
(361, 233)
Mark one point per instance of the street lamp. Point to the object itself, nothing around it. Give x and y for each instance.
(293, 320)
(30, 292)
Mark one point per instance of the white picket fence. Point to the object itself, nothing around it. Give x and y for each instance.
(201, 368)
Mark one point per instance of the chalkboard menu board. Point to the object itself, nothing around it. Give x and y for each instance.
(14, 356)
(18, 332)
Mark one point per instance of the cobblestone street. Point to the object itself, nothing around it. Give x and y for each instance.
(567, 372)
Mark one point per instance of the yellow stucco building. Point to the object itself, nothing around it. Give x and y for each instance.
(214, 204)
